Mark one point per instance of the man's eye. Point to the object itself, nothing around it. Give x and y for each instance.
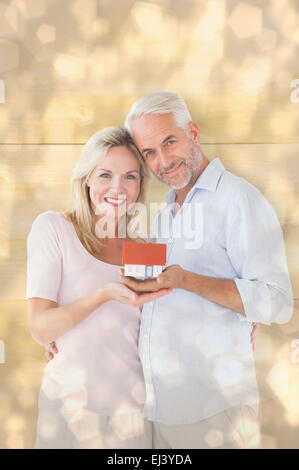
(170, 142)
(149, 154)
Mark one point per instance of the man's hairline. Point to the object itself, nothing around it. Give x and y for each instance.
(156, 114)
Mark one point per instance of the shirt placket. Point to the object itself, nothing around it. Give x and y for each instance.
(151, 403)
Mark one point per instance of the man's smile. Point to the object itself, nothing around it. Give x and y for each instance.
(173, 171)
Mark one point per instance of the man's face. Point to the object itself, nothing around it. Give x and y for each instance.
(172, 156)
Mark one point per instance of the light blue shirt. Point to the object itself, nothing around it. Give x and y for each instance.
(196, 355)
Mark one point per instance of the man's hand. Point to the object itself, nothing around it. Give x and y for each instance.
(170, 278)
(51, 350)
(254, 334)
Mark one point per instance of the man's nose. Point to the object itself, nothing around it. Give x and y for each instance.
(164, 158)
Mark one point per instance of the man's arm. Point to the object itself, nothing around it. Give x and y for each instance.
(261, 290)
(221, 291)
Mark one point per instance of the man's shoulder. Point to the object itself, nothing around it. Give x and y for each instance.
(236, 186)
(243, 195)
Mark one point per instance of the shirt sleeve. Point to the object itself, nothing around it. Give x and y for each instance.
(255, 247)
(44, 259)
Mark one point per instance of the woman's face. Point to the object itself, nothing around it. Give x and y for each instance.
(115, 183)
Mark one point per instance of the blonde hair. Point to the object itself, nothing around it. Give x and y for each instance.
(95, 149)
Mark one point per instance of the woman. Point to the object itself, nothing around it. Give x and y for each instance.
(93, 391)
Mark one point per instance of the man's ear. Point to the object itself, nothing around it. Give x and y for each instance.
(194, 132)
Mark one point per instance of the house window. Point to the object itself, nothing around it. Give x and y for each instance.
(149, 271)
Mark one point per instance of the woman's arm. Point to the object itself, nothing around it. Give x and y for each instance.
(48, 322)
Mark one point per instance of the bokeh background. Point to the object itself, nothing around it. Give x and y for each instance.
(70, 67)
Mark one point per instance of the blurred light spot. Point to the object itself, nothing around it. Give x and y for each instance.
(132, 44)
(48, 426)
(127, 426)
(170, 369)
(291, 404)
(281, 193)
(46, 33)
(128, 86)
(103, 62)
(8, 20)
(149, 18)
(2, 100)
(228, 372)
(138, 392)
(209, 22)
(85, 13)
(289, 23)
(27, 398)
(254, 72)
(70, 67)
(214, 438)
(15, 441)
(14, 423)
(268, 442)
(264, 348)
(31, 8)
(200, 61)
(66, 382)
(246, 20)
(83, 424)
(249, 430)
(283, 78)
(214, 340)
(278, 379)
(9, 53)
(101, 26)
(267, 39)
(2, 352)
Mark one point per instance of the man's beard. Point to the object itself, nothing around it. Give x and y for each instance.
(192, 165)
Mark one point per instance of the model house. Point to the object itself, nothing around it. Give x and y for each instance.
(144, 259)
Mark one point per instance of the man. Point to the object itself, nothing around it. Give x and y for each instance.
(194, 343)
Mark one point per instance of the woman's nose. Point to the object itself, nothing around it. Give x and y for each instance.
(117, 183)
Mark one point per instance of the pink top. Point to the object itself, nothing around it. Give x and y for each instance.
(98, 366)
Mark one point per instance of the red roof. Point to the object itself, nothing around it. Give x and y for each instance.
(149, 254)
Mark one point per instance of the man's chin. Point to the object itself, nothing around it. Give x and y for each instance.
(177, 183)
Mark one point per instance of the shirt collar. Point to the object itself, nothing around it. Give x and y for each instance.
(207, 180)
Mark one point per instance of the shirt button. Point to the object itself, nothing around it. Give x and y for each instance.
(145, 334)
(147, 365)
(170, 240)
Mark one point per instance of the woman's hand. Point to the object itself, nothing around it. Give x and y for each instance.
(51, 350)
(121, 293)
(254, 333)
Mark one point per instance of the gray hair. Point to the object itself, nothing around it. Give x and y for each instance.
(160, 103)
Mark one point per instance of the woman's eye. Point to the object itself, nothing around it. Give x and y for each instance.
(131, 177)
(104, 175)
(148, 154)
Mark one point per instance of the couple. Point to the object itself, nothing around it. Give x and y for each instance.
(195, 386)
